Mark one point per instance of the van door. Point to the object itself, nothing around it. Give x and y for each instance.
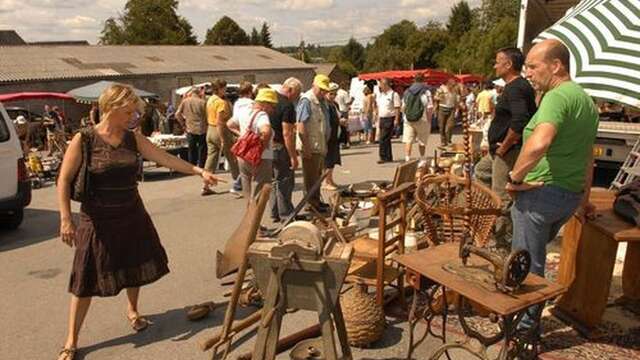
(10, 152)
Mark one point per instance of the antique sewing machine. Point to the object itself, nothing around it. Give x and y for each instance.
(465, 211)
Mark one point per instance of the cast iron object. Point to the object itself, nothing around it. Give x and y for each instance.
(508, 273)
(310, 349)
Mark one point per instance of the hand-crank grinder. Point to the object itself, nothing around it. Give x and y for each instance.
(303, 268)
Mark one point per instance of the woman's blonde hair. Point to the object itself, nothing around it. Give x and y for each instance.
(118, 96)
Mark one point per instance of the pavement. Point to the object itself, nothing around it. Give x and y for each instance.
(36, 265)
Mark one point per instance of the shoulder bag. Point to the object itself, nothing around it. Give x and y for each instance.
(249, 146)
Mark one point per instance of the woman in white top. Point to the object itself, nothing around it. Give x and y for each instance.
(258, 120)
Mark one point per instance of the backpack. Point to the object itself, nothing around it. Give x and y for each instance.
(413, 107)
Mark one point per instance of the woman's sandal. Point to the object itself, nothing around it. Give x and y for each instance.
(67, 354)
(138, 323)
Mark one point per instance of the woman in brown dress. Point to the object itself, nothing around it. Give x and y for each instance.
(117, 246)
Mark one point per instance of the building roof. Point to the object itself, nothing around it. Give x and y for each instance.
(325, 68)
(10, 38)
(33, 63)
(61, 43)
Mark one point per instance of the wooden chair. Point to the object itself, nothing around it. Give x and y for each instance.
(442, 202)
(371, 264)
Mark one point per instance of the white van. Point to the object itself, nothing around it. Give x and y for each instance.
(15, 187)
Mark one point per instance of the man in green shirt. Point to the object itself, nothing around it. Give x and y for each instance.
(552, 175)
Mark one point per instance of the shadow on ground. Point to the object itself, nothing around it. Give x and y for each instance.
(39, 225)
(173, 325)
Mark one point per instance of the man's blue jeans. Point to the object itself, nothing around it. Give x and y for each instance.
(537, 216)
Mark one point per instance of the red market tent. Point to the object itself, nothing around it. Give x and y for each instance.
(33, 96)
(469, 78)
(405, 77)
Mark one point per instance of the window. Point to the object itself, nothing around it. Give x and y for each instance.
(4, 130)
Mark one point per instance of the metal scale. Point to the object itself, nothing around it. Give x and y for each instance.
(300, 270)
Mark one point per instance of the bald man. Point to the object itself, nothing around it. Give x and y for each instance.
(552, 175)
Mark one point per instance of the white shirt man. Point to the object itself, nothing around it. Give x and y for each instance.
(343, 100)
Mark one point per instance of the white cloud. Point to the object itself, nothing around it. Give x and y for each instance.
(303, 4)
(79, 22)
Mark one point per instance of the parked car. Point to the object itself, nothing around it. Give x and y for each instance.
(36, 130)
(15, 187)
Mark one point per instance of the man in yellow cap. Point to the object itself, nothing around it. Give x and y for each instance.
(313, 132)
(257, 120)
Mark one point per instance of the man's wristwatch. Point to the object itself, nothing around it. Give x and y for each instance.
(513, 182)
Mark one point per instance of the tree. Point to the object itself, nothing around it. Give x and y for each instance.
(255, 37)
(111, 33)
(427, 43)
(460, 19)
(265, 36)
(226, 32)
(492, 11)
(354, 52)
(390, 50)
(148, 22)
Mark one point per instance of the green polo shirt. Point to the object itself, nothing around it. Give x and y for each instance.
(574, 115)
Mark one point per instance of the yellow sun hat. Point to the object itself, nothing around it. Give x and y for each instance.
(322, 81)
(267, 95)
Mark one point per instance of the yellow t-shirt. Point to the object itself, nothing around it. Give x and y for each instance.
(484, 101)
(216, 107)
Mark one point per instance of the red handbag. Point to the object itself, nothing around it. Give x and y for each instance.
(249, 146)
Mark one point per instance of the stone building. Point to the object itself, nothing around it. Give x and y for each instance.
(157, 69)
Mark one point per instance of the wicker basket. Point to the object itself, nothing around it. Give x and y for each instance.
(363, 318)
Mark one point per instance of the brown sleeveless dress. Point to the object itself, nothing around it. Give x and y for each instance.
(117, 244)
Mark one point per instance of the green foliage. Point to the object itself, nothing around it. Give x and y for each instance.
(390, 50)
(460, 19)
(426, 44)
(226, 32)
(148, 22)
(255, 37)
(354, 53)
(265, 36)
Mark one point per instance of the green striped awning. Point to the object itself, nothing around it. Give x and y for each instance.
(603, 37)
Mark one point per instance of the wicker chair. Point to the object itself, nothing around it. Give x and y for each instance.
(442, 201)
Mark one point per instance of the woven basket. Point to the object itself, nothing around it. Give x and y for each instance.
(363, 318)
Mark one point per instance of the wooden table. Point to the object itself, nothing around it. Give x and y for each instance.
(430, 264)
(587, 259)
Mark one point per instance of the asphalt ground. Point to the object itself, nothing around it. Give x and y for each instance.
(36, 265)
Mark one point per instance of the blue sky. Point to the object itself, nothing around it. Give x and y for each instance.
(315, 21)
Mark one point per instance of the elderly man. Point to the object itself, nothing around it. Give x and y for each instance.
(388, 113)
(513, 111)
(192, 116)
(313, 131)
(552, 175)
(285, 158)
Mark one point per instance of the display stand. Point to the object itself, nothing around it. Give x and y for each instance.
(426, 273)
(587, 260)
